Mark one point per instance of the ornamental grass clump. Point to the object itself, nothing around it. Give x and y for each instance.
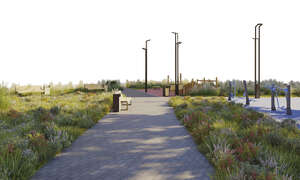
(241, 143)
(35, 129)
(4, 99)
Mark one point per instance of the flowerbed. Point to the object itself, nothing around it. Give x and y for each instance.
(240, 143)
(33, 129)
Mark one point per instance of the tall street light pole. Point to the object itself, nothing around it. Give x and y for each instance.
(177, 82)
(146, 63)
(258, 50)
(176, 63)
(257, 56)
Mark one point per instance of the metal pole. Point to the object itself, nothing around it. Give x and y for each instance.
(176, 63)
(146, 86)
(146, 65)
(229, 95)
(246, 93)
(273, 108)
(288, 101)
(180, 81)
(258, 86)
(255, 84)
(175, 60)
(177, 70)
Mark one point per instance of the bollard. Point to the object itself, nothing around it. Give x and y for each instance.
(116, 102)
(273, 108)
(246, 93)
(229, 95)
(288, 101)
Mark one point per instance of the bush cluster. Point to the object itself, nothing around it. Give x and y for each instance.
(34, 128)
(240, 143)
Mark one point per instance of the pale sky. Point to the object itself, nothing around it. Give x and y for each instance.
(70, 40)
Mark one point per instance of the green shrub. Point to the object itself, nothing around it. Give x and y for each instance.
(274, 138)
(85, 122)
(209, 91)
(4, 99)
(15, 164)
(240, 143)
(38, 128)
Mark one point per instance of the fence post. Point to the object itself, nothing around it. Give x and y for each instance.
(273, 108)
(246, 93)
(216, 81)
(288, 100)
(229, 95)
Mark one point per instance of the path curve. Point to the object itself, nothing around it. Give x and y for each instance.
(146, 142)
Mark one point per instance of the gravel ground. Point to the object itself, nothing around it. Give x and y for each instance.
(264, 105)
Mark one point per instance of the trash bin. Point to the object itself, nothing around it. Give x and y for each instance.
(167, 91)
(116, 102)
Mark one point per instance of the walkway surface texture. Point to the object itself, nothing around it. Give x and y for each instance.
(146, 142)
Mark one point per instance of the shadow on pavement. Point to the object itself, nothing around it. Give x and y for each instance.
(131, 146)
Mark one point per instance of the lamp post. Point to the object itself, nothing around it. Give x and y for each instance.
(146, 57)
(257, 56)
(258, 50)
(177, 80)
(176, 64)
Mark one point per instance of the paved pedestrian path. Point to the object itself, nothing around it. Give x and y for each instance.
(146, 142)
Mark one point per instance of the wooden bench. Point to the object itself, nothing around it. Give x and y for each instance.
(124, 101)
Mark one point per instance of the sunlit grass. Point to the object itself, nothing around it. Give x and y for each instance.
(33, 129)
(240, 143)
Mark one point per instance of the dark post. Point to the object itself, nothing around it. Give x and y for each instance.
(176, 63)
(246, 93)
(176, 40)
(146, 63)
(273, 108)
(255, 84)
(116, 104)
(257, 39)
(288, 101)
(180, 78)
(177, 82)
(258, 50)
(229, 95)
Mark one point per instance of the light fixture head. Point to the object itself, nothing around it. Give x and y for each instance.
(148, 40)
(179, 42)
